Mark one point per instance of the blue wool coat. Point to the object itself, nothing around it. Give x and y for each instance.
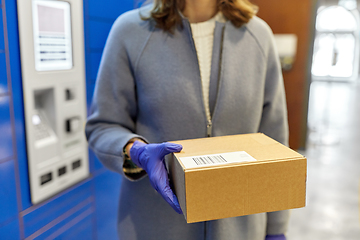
(149, 86)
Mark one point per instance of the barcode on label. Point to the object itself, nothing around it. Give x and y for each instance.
(209, 160)
(216, 159)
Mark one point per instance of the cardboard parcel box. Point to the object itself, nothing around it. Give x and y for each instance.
(237, 175)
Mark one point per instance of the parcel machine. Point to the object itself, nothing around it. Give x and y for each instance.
(53, 75)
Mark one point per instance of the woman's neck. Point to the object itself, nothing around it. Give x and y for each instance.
(200, 10)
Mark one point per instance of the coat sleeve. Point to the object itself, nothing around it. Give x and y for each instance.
(111, 123)
(274, 123)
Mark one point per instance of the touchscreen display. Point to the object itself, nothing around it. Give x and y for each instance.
(52, 35)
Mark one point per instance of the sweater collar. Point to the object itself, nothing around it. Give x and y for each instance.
(220, 22)
(219, 17)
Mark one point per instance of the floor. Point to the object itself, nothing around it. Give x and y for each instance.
(333, 153)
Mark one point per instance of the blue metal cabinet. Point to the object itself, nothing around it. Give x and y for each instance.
(6, 147)
(10, 230)
(3, 75)
(8, 204)
(107, 186)
(56, 209)
(98, 32)
(18, 110)
(89, 95)
(78, 224)
(95, 58)
(88, 210)
(97, 165)
(109, 9)
(1, 31)
(82, 229)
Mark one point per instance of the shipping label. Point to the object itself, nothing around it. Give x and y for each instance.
(216, 159)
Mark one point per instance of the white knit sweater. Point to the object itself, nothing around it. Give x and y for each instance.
(203, 34)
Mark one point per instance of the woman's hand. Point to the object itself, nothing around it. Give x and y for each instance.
(150, 157)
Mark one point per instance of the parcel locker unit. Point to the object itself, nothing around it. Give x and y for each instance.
(53, 77)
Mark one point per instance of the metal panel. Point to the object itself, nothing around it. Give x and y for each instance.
(3, 75)
(107, 186)
(15, 82)
(89, 95)
(10, 231)
(6, 147)
(49, 212)
(70, 222)
(109, 9)
(80, 227)
(95, 58)
(96, 165)
(98, 32)
(2, 47)
(8, 206)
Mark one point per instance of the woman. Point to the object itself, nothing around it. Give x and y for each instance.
(183, 69)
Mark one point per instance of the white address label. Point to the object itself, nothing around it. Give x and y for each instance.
(216, 159)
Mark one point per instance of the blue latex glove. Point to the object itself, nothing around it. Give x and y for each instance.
(150, 157)
(275, 237)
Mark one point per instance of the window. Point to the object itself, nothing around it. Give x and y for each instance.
(336, 47)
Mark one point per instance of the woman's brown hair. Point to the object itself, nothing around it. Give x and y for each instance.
(166, 12)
